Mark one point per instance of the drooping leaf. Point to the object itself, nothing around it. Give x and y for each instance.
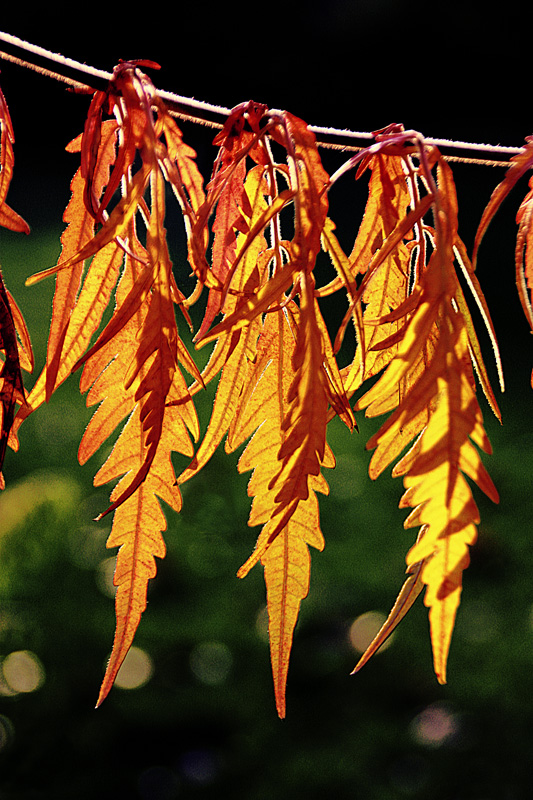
(132, 370)
(437, 409)
(76, 313)
(524, 253)
(8, 218)
(408, 594)
(278, 376)
(139, 520)
(15, 344)
(11, 382)
(519, 165)
(284, 553)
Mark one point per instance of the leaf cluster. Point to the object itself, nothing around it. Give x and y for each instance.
(255, 232)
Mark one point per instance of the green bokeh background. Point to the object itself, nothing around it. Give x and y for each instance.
(204, 725)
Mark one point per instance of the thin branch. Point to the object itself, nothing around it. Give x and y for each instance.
(214, 115)
(188, 107)
(46, 72)
(57, 58)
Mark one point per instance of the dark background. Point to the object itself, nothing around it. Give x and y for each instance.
(451, 70)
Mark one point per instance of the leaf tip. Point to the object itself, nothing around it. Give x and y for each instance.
(104, 691)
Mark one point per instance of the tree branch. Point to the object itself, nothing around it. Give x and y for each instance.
(215, 116)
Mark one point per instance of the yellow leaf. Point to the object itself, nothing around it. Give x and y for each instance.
(428, 386)
(137, 526)
(283, 551)
(287, 566)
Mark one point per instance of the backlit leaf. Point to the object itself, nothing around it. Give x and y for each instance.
(15, 346)
(437, 409)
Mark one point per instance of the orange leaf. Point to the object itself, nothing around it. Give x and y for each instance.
(304, 425)
(8, 218)
(11, 383)
(138, 519)
(524, 253)
(14, 338)
(287, 566)
(228, 221)
(519, 165)
(138, 524)
(407, 596)
(115, 226)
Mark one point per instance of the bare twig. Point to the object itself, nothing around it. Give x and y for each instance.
(215, 116)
